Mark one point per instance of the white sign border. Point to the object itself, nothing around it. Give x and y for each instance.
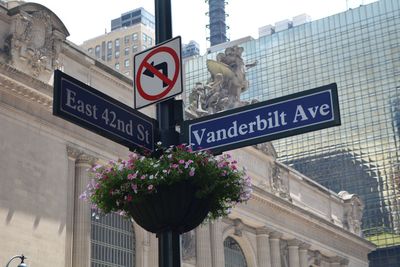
(177, 87)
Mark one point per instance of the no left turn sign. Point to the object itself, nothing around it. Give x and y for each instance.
(157, 73)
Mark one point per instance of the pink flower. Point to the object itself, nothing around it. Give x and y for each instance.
(191, 172)
(150, 187)
(174, 166)
(83, 196)
(143, 177)
(132, 176)
(181, 161)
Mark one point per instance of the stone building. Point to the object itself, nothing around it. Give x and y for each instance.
(289, 220)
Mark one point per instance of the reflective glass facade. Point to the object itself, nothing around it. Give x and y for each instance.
(360, 51)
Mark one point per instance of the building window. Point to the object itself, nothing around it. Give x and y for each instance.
(97, 51)
(233, 254)
(116, 43)
(144, 47)
(116, 53)
(149, 40)
(126, 63)
(103, 50)
(112, 241)
(144, 37)
(117, 66)
(134, 37)
(134, 49)
(127, 51)
(126, 39)
(109, 45)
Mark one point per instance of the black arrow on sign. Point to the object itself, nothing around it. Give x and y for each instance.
(162, 66)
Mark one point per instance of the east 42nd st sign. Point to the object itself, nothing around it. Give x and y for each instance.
(99, 113)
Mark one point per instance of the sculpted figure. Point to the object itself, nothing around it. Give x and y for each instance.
(222, 91)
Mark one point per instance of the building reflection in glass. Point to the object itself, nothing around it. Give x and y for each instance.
(359, 50)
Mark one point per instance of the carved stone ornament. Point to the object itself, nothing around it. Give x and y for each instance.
(267, 148)
(278, 185)
(238, 227)
(80, 156)
(33, 44)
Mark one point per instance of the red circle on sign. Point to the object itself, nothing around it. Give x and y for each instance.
(172, 82)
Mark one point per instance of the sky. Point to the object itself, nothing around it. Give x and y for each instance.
(86, 19)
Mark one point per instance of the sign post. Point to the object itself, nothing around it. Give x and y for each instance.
(169, 112)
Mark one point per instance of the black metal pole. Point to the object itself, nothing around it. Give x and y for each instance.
(169, 249)
(165, 109)
(168, 241)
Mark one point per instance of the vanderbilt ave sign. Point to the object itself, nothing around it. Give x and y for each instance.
(265, 121)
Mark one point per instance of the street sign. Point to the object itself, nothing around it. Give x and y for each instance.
(99, 113)
(157, 73)
(265, 121)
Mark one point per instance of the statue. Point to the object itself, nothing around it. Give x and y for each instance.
(222, 91)
(353, 212)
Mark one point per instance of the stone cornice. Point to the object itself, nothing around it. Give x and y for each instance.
(25, 86)
(73, 51)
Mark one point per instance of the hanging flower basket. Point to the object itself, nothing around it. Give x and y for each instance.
(174, 189)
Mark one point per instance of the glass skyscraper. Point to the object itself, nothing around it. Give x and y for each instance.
(360, 51)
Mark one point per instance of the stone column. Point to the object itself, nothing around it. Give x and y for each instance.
(263, 248)
(203, 246)
(293, 247)
(217, 244)
(69, 224)
(82, 213)
(303, 257)
(274, 239)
